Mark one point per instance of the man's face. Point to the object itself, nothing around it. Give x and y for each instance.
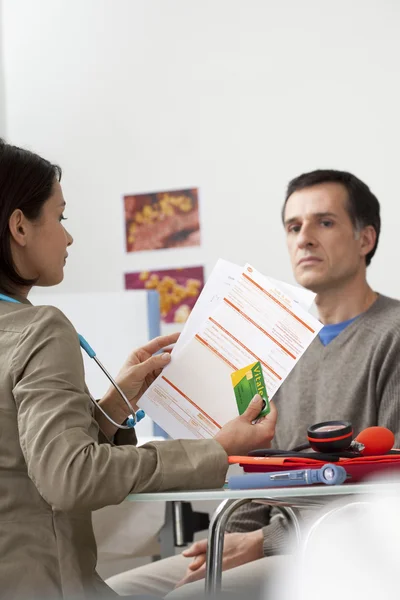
(325, 250)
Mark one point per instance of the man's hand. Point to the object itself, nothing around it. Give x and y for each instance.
(239, 548)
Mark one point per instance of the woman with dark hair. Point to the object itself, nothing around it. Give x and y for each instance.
(54, 470)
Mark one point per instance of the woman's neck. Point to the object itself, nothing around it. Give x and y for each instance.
(17, 292)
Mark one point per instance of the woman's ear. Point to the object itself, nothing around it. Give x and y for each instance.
(18, 227)
(368, 239)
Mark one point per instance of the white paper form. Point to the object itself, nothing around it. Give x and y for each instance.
(256, 320)
(299, 294)
(217, 285)
(221, 279)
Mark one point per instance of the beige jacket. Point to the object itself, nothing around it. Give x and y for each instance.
(54, 471)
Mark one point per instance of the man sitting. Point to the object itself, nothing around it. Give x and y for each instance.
(351, 370)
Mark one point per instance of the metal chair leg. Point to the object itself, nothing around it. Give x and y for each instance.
(215, 544)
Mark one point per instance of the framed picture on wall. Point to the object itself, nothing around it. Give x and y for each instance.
(178, 289)
(162, 220)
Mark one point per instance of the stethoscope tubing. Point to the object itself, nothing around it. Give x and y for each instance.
(130, 421)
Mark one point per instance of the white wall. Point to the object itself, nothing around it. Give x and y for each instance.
(233, 96)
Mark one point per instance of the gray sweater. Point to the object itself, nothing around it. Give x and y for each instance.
(355, 377)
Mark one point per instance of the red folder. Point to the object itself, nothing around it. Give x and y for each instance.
(358, 468)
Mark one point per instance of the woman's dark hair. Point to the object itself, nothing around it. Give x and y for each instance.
(26, 182)
(362, 205)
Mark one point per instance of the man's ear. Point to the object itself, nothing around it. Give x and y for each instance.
(17, 224)
(367, 239)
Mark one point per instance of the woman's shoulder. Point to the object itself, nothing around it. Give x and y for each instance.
(44, 335)
(50, 317)
(20, 318)
(37, 334)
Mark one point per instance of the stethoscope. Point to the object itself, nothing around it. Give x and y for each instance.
(131, 421)
(330, 440)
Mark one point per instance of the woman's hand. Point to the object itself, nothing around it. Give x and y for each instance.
(137, 374)
(241, 435)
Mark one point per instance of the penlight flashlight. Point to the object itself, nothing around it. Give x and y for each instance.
(329, 474)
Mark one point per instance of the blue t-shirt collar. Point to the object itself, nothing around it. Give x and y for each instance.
(330, 332)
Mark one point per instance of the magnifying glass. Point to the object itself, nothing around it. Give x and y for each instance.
(330, 436)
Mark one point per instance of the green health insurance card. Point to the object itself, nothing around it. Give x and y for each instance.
(246, 383)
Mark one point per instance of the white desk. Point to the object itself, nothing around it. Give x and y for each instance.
(288, 500)
(293, 495)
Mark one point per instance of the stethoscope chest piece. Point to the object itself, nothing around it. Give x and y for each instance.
(330, 436)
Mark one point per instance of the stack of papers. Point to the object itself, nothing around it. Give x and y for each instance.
(240, 317)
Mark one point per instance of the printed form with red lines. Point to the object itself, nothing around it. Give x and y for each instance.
(240, 317)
